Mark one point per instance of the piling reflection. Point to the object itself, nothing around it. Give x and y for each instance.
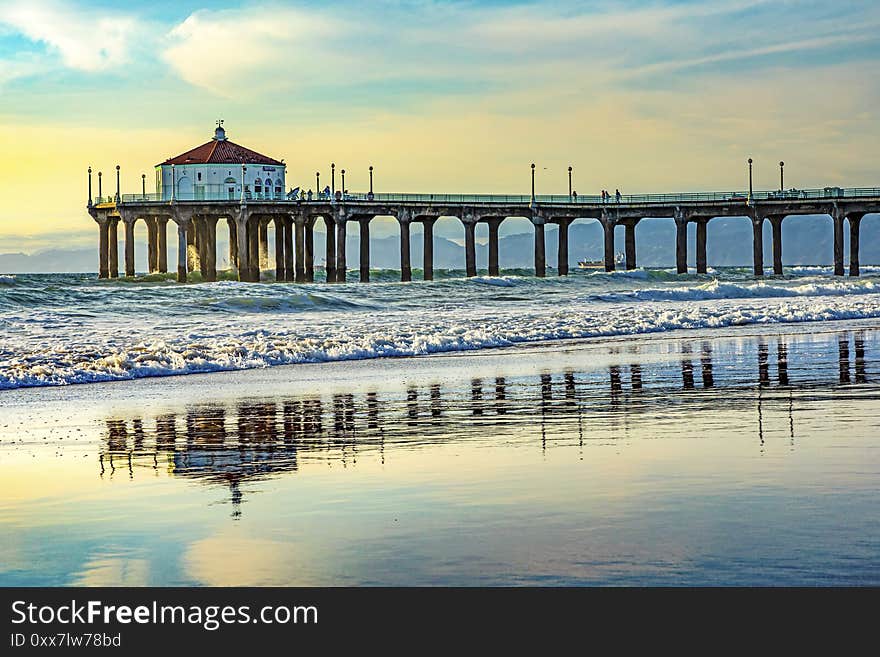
(232, 444)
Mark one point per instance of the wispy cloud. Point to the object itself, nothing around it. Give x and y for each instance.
(82, 40)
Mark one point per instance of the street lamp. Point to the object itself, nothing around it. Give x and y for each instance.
(332, 180)
(781, 176)
(318, 183)
(343, 183)
(533, 182)
(750, 179)
(144, 185)
(90, 186)
(100, 190)
(569, 183)
(117, 183)
(371, 180)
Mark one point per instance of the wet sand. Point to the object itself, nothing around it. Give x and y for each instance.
(747, 457)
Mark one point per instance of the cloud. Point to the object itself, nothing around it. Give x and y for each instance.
(238, 51)
(81, 39)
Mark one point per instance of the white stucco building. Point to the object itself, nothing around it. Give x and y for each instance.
(217, 170)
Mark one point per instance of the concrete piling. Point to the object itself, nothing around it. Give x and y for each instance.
(494, 269)
(776, 228)
(758, 245)
(702, 264)
(630, 245)
(608, 229)
(562, 248)
(405, 265)
(681, 265)
(854, 222)
(540, 256)
(364, 253)
(470, 249)
(428, 249)
(113, 245)
(289, 267)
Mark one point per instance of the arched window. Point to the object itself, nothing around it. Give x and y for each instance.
(268, 188)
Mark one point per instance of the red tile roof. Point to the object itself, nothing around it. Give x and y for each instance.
(221, 152)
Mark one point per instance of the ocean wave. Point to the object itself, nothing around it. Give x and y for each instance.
(727, 290)
(499, 281)
(7, 279)
(376, 335)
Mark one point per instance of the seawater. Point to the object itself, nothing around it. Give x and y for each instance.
(64, 329)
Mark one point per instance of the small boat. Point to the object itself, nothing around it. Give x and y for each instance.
(619, 259)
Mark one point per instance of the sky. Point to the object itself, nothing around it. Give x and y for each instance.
(641, 95)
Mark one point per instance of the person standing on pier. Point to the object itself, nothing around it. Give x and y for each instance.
(617, 195)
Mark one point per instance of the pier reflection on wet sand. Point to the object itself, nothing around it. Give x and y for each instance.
(252, 439)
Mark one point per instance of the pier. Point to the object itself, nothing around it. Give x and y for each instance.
(293, 221)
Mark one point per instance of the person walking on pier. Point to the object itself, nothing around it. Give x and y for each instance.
(617, 195)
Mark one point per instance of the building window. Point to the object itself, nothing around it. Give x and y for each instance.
(200, 175)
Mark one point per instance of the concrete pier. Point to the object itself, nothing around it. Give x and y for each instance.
(470, 249)
(428, 248)
(562, 248)
(630, 244)
(702, 260)
(494, 269)
(540, 247)
(294, 219)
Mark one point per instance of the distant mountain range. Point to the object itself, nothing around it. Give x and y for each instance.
(806, 241)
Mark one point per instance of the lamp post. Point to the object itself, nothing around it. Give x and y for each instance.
(332, 180)
(100, 189)
(533, 182)
(750, 179)
(569, 183)
(117, 183)
(371, 180)
(90, 186)
(781, 176)
(318, 182)
(144, 185)
(243, 174)
(343, 183)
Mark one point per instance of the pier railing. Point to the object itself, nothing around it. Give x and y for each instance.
(514, 199)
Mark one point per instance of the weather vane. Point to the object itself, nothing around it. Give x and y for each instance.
(219, 123)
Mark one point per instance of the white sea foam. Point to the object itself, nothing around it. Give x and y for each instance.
(71, 330)
(500, 281)
(731, 290)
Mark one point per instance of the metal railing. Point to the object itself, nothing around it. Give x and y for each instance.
(826, 193)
